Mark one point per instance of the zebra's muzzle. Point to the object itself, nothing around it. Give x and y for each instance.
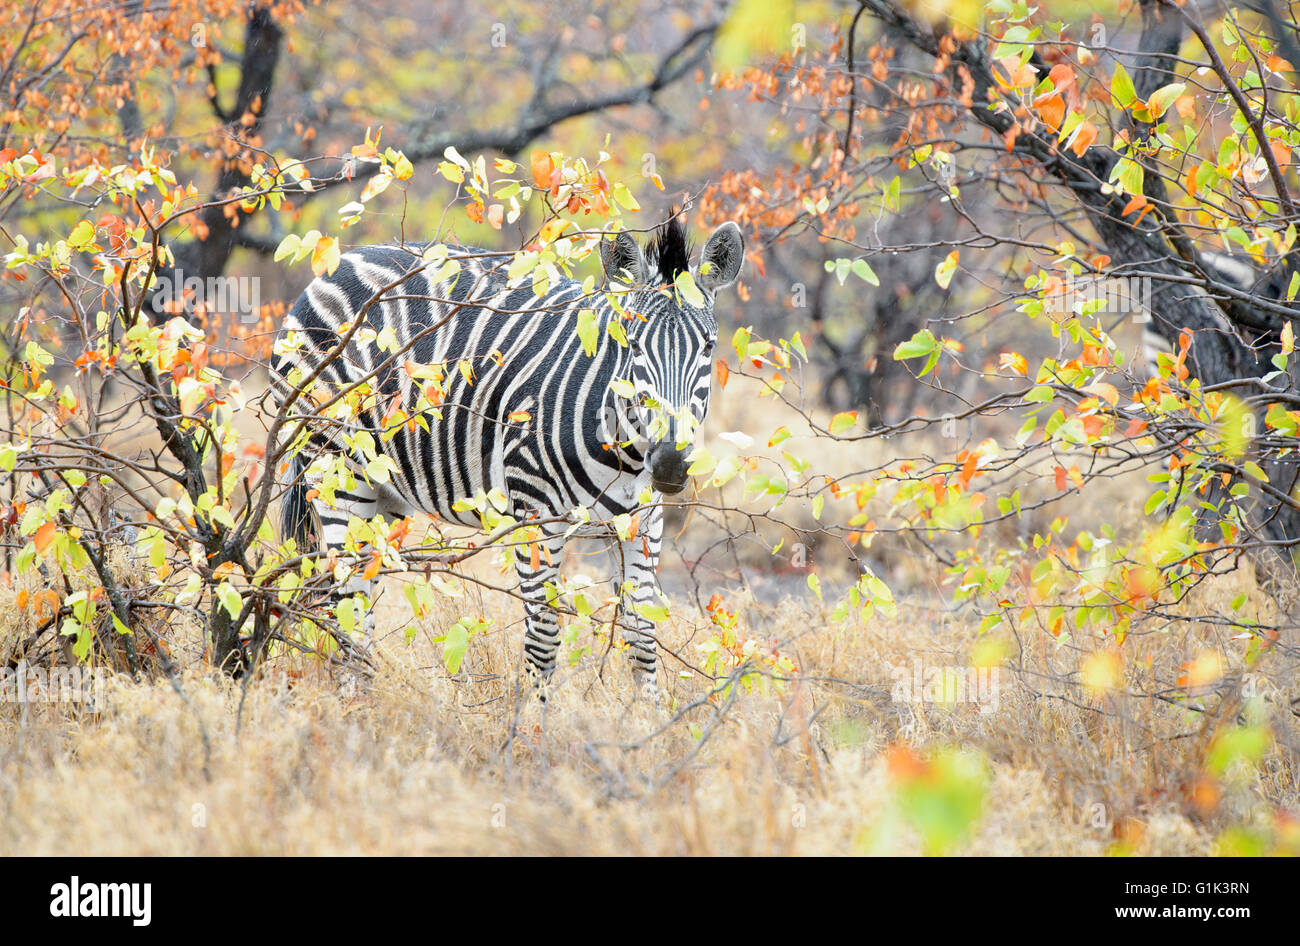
(668, 468)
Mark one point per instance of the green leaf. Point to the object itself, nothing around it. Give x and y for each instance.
(229, 598)
(864, 272)
(687, 289)
(454, 645)
(652, 612)
(1122, 91)
(83, 234)
(919, 345)
(1163, 97)
(587, 331)
(289, 246)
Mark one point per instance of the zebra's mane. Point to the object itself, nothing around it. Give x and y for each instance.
(668, 251)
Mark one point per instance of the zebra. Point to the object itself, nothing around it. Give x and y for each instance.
(585, 444)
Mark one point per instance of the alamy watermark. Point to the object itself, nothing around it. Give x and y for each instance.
(1087, 295)
(76, 898)
(920, 683)
(29, 683)
(239, 295)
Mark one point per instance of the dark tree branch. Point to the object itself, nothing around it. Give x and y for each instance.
(220, 220)
(261, 50)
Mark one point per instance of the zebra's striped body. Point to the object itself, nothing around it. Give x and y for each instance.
(536, 419)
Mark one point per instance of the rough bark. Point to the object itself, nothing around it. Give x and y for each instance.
(1234, 334)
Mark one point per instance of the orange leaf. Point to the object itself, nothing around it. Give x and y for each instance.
(1138, 200)
(44, 536)
(1062, 76)
(1105, 391)
(968, 469)
(373, 568)
(1014, 361)
(724, 372)
(541, 164)
(1052, 111)
(1083, 138)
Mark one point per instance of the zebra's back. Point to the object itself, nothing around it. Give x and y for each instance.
(521, 401)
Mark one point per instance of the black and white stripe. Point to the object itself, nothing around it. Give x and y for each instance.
(583, 446)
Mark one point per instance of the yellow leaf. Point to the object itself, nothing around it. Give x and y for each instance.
(943, 272)
(325, 257)
(843, 421)
(552, 229)
(375, 186)
(1101, 671)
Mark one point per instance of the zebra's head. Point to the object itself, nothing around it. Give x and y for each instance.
(671, 341)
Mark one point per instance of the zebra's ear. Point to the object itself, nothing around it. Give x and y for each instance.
(623, 260)
(723, 254)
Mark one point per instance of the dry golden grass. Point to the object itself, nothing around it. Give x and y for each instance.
(416, 761)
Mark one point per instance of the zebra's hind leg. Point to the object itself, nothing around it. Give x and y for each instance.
(638, 567)
(362, 502)
(538, 566)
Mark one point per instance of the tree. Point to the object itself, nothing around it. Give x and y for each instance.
(960, 225)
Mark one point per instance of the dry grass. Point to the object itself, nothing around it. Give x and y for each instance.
(416, 761)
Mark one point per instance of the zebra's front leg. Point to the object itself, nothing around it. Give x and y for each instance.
(537, 566)
(363, 503)
(639, 585)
